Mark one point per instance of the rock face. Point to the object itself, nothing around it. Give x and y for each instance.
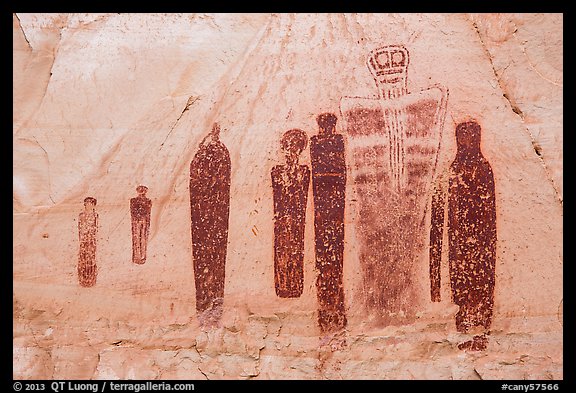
(388, 285)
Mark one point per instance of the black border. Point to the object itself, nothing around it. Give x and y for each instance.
(320, 6)
(569, 347)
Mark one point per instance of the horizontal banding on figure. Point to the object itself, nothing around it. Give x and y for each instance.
(394, 142)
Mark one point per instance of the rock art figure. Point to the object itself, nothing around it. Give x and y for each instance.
(140, 208)
(210, 172)
(290, 184)
(329, 190)
(471, 211)
(394, 142)
(87, 231)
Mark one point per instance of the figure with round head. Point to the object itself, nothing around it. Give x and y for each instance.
(90, 203)
(290, 184)
(326, 123)
(468, 139)
(87, 233)
(140, 209)
(471, 210)
(329, 191)
(293, 143)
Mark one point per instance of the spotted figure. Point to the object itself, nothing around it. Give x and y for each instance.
(329, 190)
(471, 210)
(290, 183)
(140, 208)
(87, 232)
(210, 172)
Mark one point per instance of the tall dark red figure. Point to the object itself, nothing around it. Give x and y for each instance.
(210, 207)
(471, 235)
(290, 184)
(329, 189)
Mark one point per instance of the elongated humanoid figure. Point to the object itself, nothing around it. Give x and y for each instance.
(210, 172)
(87, 233)
(290, 184)
(472, 239)
(140, 208)
(329, 189)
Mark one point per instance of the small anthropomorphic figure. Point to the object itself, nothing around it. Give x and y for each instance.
(87, 232)
(290, 184)
(140, 208)
(471, 209)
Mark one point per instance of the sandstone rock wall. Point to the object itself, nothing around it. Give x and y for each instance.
(106, 102)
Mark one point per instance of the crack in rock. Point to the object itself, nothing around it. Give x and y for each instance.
(517, 111)
(23, 32)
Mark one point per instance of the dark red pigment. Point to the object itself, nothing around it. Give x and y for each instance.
(393, 142)
(392, 184)
(329, 190)
(210, 206)
(290, 184)
(87, 232)
(140, 208)
(471, 235)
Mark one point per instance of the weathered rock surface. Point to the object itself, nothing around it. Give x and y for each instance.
(106, 102)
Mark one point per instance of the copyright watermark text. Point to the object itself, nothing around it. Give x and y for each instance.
(100, 386)
(530, 386)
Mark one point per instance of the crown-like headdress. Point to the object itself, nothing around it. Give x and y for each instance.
(389, 67)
